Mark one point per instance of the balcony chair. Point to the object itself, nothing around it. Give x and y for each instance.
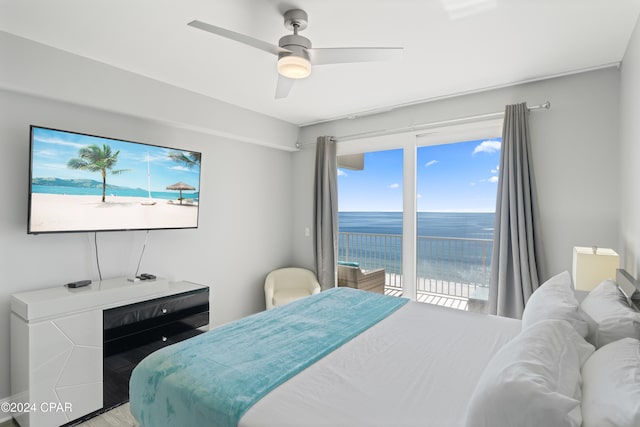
(350, 275)
(289, 284)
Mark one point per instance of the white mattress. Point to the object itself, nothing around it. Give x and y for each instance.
(418, 367)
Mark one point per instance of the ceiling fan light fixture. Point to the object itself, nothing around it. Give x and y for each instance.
(294, 51)
(294, 67)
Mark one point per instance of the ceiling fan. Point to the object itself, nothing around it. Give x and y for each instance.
(295, 54)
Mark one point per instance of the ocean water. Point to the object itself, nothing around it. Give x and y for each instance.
(470, 225)
(452, 247)
(121, 192)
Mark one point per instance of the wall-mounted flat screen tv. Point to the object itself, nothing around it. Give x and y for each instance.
(80, 182)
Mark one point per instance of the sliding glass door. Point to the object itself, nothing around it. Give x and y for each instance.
(370, 215)
(421, 207)
(456, 197)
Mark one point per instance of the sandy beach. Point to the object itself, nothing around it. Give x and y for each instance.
(57, 212)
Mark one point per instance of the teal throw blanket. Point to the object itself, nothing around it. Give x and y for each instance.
(214, 378)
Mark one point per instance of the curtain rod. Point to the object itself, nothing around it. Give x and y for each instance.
(545, 106)
(421, 126)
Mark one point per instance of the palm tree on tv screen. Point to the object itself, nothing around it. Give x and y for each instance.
(190, 159)
(92, 158)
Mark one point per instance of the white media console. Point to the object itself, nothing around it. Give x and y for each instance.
(58, 341)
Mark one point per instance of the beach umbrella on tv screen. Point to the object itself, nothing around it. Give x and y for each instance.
(179, 186)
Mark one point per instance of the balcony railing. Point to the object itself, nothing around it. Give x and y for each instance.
(449, 266)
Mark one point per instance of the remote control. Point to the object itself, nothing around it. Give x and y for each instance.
(79, 284)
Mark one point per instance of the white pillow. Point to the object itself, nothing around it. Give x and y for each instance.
(611, 386)
(534, 380)
(609, 315)
(554, 299)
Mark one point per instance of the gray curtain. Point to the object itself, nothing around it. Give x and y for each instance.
(325, 212)
(514, 269)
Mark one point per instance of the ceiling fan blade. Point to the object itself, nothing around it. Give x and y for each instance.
(284, 86)
(339, 55)
(259, 44)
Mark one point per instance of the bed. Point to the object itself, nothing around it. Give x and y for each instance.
(347, 357)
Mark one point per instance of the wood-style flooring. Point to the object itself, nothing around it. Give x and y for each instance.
(117, 417)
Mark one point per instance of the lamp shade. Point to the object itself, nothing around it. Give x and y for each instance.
(592, 265)
(294, 67)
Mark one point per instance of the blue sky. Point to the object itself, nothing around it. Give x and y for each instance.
(460, 177)
(52, 150)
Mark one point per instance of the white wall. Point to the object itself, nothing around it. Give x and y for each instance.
(245, 216)
(630, 155)
(575, 153)
(33, 68)
(303, 172)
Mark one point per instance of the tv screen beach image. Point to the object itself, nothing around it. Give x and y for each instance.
(88, 183)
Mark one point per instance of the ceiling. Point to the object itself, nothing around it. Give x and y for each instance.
(450, 46)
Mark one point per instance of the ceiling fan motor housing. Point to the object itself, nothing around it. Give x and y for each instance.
(295, 63)
(295, 43)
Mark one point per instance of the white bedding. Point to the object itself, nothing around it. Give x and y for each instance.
(418, 367)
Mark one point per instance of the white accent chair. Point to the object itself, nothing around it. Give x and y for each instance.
(289, 284)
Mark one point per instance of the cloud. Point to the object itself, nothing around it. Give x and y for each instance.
(431, 163)
(180, 168)
(342, 173)
(394, 185)
(56, 166)
(44, 153)
(488, 146)
(58, 141)
(496, 169)
(493, 179)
